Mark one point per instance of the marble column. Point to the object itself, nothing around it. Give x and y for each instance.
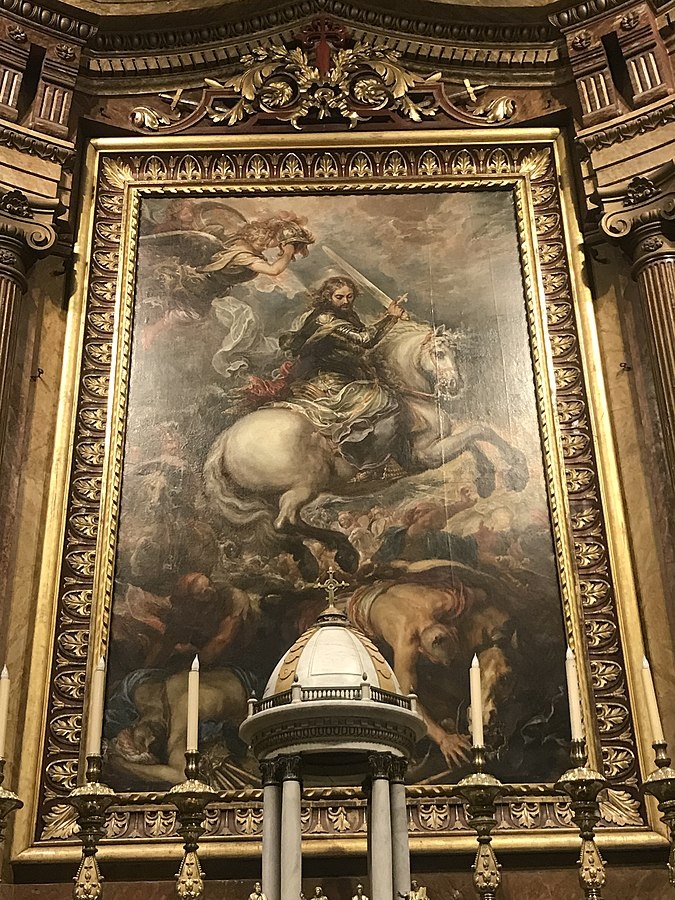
(271, 836)
(642, 219)
(400, 847)
(291, 832)
(381, 874)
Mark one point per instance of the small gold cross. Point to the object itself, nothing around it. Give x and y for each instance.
(330, 585)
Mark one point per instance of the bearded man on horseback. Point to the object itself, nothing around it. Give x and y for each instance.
(334, 384)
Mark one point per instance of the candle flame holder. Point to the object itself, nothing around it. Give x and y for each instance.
(191, 798)
(661, 784)
(583, 786)
(480, 790)
(91, 801)
(9, 801)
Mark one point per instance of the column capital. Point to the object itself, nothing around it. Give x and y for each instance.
(398, 767)
(290, 767)
(270, 770)
(640, 215)
(380, 765)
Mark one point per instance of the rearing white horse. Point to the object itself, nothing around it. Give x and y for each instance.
(273, 462)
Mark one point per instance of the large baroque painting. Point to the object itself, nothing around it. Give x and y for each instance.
(346, 382)
(365, 355)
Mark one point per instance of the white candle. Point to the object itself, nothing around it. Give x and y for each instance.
(193, 707)
(573, 697)
(652, 705)
(95, 724)
(4, 709)
(476, 703)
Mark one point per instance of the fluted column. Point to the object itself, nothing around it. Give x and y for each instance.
(381, 874)
(400, 847)
(24, 230)
(271, 836)
(12, 286)
(642, 219)
(291, 832)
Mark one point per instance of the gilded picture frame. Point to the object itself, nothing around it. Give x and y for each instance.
(593, 564)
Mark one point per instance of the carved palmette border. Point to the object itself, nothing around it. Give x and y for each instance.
(531, 168)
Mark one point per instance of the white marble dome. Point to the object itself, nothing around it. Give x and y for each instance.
(333, 699)
(332, 653)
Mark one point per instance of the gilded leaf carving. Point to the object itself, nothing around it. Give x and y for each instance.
(249, 820)
(594, 592)
(526, 815)
(111, 203)
(600, 631)
(337, 816)
(464, 163)
(117, 173)
(326, 167)
(578, 479)
(93, 419)
(72, 684)
(620, 808)
(611, 716)
(395, 165)
(617, 762)
(434, 816)
(154, 168)
(223, 168)
(74, 643)
(63, 773)
(60, 822)
(536, 164)
(429, 164)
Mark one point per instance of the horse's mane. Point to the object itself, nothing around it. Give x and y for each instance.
(397, 345)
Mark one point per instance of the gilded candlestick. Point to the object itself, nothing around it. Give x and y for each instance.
(480, 790)
(583, 785)
(8, 802)
(91, 801)
(661, 784)
(191, 799)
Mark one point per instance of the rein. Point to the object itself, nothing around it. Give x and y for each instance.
(423, 395)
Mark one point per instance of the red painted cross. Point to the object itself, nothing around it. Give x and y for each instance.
(322, 34)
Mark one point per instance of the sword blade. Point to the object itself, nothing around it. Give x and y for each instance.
(358, 277)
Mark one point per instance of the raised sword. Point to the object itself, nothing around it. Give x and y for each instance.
(360, 279)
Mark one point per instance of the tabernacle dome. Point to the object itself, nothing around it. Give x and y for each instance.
(333, 712)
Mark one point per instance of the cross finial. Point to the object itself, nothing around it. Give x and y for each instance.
(330, 585)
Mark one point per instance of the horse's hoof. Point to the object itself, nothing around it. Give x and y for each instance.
(347, 558)
(516, 478)
(485, 484)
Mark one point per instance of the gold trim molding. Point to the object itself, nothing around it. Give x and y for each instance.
(76, 581)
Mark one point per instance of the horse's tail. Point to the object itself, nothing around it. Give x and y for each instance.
(224, 493)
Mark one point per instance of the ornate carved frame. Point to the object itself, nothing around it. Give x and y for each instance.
(594, 565)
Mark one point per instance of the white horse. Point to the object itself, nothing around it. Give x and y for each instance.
(273, 462)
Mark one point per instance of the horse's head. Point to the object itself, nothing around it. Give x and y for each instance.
(422, 359)
(438, 362)
(497, 674)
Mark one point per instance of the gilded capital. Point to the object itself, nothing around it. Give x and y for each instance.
(641, 216)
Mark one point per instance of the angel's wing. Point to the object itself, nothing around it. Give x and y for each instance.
(194, 248)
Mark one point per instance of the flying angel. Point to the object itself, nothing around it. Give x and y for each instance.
(183, 270)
